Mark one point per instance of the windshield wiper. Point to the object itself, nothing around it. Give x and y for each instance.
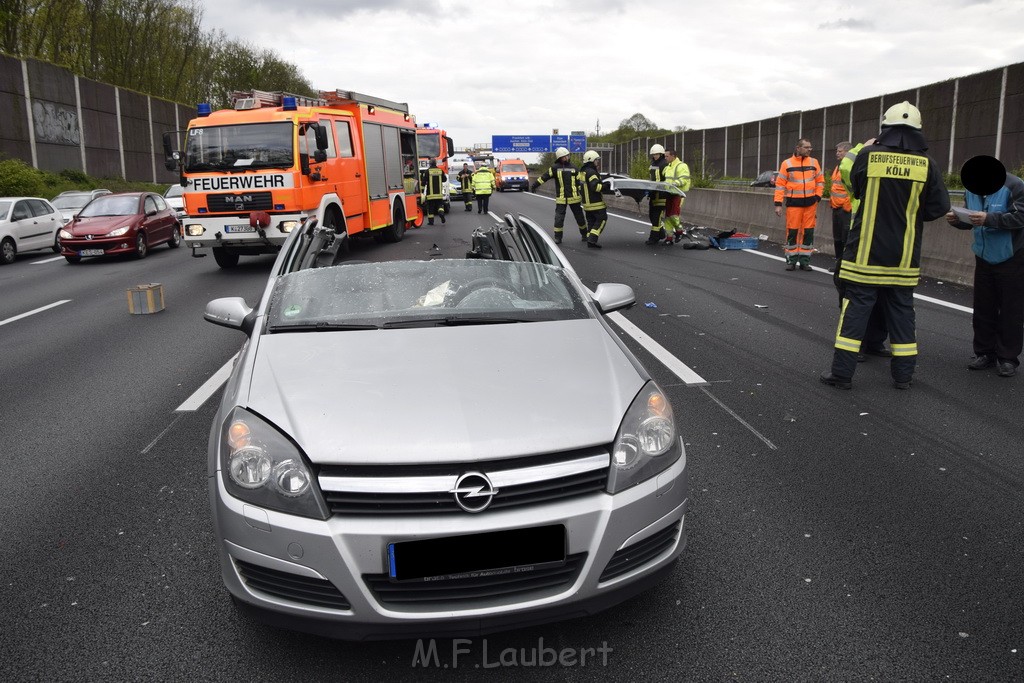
(320, 327)
(452, 321)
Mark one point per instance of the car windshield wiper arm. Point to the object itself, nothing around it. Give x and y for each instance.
(452, 321)
(320, 327)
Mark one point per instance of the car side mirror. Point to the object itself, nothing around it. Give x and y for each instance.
(613, 297)
(231, 312)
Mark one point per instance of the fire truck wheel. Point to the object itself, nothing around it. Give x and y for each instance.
(223, 258)
(396, 231)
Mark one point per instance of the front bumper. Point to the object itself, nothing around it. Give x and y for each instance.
(517, 184)
(215, 231)
(330, 577)
(124, 244)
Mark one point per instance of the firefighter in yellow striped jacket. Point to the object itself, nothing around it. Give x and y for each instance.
(799, 187)
(567, 192)
(677, 173)
(594, 207)
(899, 188)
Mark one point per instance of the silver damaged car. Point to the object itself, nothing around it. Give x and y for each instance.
(449, 446)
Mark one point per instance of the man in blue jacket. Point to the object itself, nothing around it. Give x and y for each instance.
(995, 212)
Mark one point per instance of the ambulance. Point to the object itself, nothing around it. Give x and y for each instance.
(252, 173)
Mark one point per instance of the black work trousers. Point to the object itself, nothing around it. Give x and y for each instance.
(482, 202)
(577, 212)
(897, 304)
(840, 230)
(999, 308)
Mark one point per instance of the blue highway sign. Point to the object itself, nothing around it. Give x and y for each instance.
(577, 144)
(520, 143)
(559, 141)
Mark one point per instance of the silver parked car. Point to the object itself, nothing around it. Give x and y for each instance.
(450, 446)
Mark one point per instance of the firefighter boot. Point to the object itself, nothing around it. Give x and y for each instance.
(655, 237)
(583, 234)
(558, 236)
(442, 215)
(592, 242)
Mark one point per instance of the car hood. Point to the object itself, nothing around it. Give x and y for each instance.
(97, 225)
(444, 394)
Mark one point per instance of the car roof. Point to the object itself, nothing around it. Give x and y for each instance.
(14, 199)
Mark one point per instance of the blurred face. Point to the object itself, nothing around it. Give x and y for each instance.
(670, 157)
(804, 148)
(841, 152)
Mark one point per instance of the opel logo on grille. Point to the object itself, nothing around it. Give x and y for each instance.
(473, 492)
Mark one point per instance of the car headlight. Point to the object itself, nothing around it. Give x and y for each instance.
(65, 235)
(647, 442)
(120, 231)
(260, 465)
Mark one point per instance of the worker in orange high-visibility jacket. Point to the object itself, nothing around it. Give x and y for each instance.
(842, 206)
(799, 187)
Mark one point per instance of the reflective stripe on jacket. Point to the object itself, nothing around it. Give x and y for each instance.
(465, 180)
(845, 166)
(678, 173)
(567, 183)
(592, 188)
(800, 182)
(898, 192)
(838, 197)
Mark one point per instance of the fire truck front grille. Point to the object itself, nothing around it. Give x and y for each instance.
(235, 202)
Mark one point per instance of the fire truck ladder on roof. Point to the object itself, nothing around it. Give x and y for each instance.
(346, 96)
(256, 99)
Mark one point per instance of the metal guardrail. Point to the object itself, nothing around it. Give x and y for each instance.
(746, 183)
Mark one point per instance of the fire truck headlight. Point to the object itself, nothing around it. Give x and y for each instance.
(287, 226)
(194, 230)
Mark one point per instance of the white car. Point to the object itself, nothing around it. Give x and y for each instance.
(176, 200)
(71, 202)
(27, 223)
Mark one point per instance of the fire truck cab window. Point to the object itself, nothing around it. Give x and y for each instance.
(331, 150)
(253, 145)
(344, 138)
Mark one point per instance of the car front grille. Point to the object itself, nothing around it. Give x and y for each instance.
(304, 589)
(427, 489)
(466, 590)
(240, 201)
(640, 553)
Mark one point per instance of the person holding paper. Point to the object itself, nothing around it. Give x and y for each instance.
(995, 212)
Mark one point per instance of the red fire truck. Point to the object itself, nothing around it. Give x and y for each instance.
(252, 173)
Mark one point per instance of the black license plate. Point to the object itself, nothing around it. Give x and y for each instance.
(488, 554)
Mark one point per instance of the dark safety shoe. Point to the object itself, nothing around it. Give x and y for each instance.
(652, 240)
(790, 266)
(583, 235)
(981, 363)
(1006, 368)
(558, 238)
(442, 218)
(593, 245)
(469, 208)
(805, 266)
(881, 352)
(901, 383)
(837, 382)
(430, 221)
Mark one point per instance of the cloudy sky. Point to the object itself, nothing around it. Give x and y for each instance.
(491, 67)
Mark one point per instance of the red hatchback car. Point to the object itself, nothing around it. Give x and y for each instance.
(124, 223)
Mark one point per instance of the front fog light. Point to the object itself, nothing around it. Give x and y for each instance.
(287, 226)
(194, 230)
(250, 467)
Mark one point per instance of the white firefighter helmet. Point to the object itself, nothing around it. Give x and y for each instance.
(561, 152)
(902, 114)
(590, 155)
(656, 149)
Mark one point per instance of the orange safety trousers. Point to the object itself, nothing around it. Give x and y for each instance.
(800, 222)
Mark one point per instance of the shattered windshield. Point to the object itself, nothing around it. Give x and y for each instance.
(440, 292)
(240, 148)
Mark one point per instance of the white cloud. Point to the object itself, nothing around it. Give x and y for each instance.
(480, 69)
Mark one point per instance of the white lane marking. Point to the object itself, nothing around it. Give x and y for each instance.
(33, 312)
(678, 368)
(208, 389)
(616, 215)
(47, 260)
(495, 216)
